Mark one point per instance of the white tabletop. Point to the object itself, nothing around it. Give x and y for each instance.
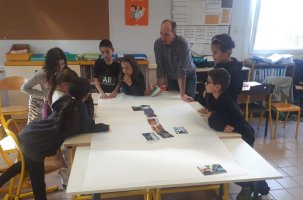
(255, 166)
(111, 110)
(247, 85)
(122, 160)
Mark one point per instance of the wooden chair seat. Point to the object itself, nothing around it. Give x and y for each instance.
(12, 83)
(14, 110)
(286, 107)
(283, 94)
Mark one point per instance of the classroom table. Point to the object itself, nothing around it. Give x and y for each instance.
(256, 166)
(126, 139)
(85, 139)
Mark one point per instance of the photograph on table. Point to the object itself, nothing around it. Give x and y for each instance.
(211, 169)
(161, 131)
(153, 121)
(150, 136)
(180, 130)
(137, 108)
(140, 108)
(149, 112)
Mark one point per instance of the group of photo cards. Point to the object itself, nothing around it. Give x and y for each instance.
(211, 169)
(155, 125)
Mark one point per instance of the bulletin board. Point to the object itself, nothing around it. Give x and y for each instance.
(199, 20)
(54, 19)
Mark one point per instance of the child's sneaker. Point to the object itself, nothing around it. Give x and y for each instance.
(264, 197)
(245, 194)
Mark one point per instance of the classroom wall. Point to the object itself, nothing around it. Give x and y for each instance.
(134, 39)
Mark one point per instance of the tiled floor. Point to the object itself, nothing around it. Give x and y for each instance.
(285, 154)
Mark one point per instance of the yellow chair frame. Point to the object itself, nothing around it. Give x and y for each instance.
(6, 144)
(260, 93)
(157, 193)
(22, 183)
(147, 194)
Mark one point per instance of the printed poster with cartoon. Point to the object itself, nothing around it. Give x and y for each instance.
(136, 12)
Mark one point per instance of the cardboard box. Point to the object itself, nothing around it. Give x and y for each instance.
(19, 56)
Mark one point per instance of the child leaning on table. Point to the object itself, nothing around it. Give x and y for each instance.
(106, 71)
(226, 116)
(131, 79)
(59, 85)
(43, 138)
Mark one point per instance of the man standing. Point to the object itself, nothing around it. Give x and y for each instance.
(173, 58)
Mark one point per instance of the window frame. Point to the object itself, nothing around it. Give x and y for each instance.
(254, 34)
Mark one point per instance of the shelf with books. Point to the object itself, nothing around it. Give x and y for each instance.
(261, 70)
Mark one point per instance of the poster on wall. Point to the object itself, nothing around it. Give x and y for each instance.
(136, 12)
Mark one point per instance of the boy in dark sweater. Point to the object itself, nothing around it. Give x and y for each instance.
(226, 116)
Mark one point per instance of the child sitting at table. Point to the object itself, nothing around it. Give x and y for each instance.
(43, 138)
(132, 80)
(226, 116)
(221, 47)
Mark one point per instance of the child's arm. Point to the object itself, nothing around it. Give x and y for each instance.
(209, 99)
(90, 105)
(216, 122)
(115, 91)
(87, 122)
(149, 89)
(136, 88)
(37, 78)
(98, 86)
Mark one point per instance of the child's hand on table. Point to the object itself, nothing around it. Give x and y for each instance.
(228, 129)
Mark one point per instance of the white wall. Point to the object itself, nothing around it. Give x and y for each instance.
(133, 39)
(136, 39)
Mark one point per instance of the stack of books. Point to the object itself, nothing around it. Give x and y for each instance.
(275, 59)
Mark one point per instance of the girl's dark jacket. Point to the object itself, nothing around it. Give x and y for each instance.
(40, 139)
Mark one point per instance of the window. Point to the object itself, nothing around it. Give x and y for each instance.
(279, 26)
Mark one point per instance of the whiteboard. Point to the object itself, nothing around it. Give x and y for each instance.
(199, 20)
